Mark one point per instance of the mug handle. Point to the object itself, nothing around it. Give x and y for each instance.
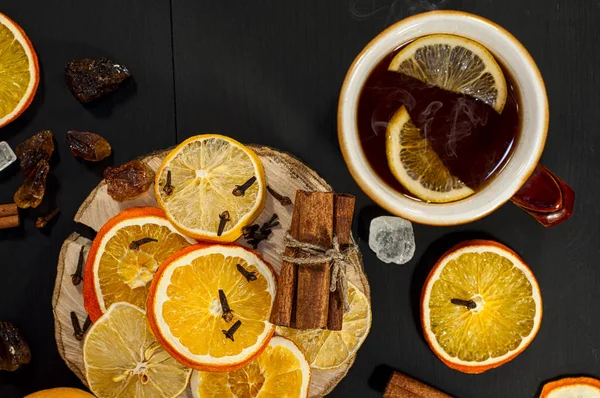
(545, 197)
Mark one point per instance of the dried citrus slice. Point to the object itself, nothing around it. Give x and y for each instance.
(572, 387)
(328, 349)
(480, 306)
(123, 359)
(124, 256)
(19, 71)
(188, 300)
(60, 392)
(279, 371)
(199, 194)
(456, 64)
(415, 164)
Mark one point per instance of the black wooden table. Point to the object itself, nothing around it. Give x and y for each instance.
(269, 72)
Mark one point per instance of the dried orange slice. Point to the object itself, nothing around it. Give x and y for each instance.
(187, 306)
(456, 64)
(60, 392)
(279, 371)
(329, 349)
(124, 256)
(123, 359)
(19, 71)
(480, 306)
(572, 387)
(195, 186)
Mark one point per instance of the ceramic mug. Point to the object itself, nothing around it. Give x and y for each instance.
(523, 180)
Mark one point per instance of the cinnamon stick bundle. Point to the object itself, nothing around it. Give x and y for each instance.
(9, 216)
(303, 298)
(402, 386)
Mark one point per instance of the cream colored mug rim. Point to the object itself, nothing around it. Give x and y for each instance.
(396, 206)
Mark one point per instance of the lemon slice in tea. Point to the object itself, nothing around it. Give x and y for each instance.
(417, 166)
(456, 64)
(480, 306)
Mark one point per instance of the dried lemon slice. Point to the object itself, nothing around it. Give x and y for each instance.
(123, 359)
(415, 164)
(329, 349)
(196, 182)
(456, 64)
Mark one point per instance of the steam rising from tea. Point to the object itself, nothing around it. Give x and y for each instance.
(472, 140)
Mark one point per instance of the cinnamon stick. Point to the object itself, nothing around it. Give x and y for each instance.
(342, 226)
(303, 299)
(9, 222)
(316, 227)
(285, 298)
(402, 386)
(9, 209)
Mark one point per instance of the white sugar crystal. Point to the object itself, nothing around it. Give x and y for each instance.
(392, 239)
(7, 156)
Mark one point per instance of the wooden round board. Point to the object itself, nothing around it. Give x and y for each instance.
(284, 173)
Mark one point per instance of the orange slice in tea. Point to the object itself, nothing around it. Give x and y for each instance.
(124, 256)
(19, 71)
(480, 306)
(456, 64)
(417, 166)
(279, 371)
(572, 387)
(206, 313)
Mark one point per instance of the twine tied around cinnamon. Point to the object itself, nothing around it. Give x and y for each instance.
(338, 258)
